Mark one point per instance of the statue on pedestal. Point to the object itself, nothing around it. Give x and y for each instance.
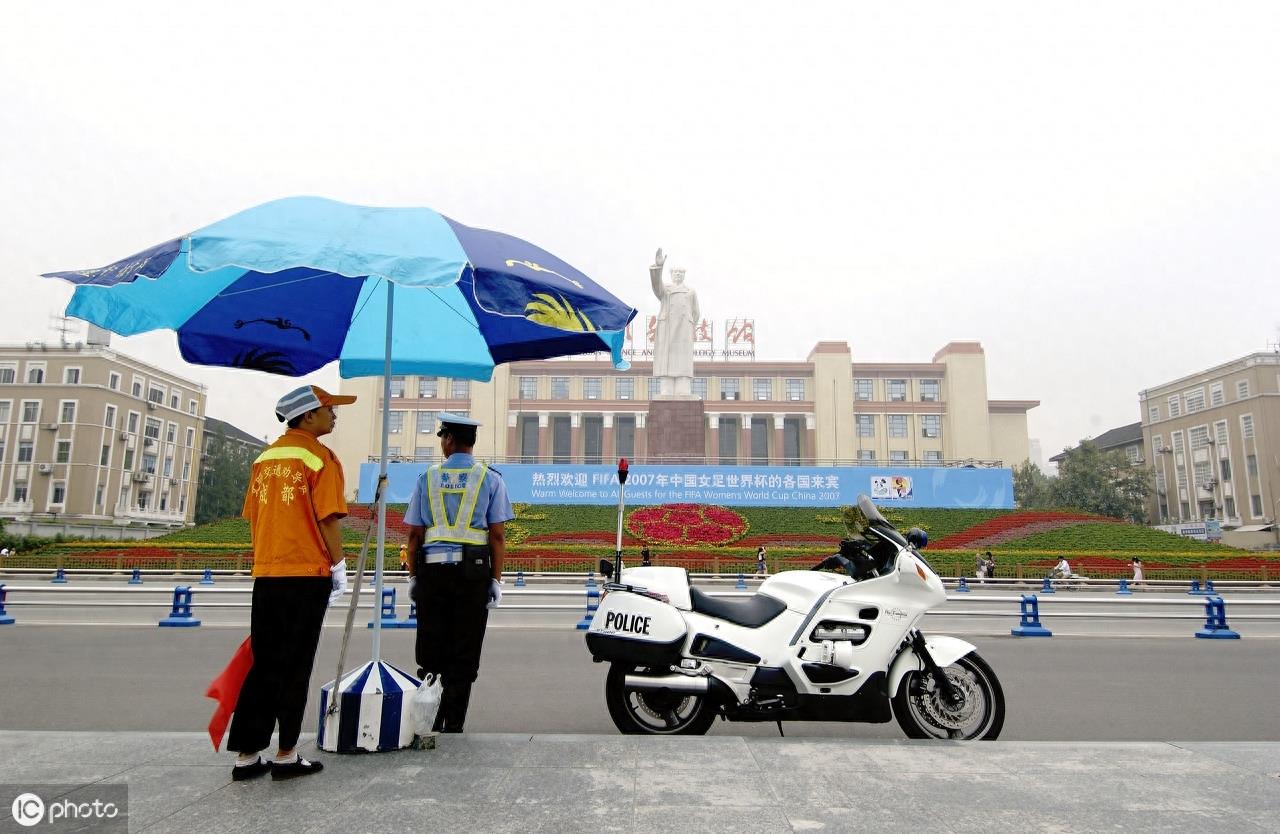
(673, 344)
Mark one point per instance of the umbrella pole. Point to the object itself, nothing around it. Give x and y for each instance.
(382, 474)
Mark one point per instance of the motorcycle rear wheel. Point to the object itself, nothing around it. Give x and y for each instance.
(921, 712)
(650, 712)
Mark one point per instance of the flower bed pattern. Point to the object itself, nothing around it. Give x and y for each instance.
(685, 524)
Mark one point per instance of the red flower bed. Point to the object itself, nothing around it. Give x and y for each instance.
(685, 524)
(998, 529)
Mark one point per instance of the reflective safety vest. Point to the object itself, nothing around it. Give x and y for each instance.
(308, 458)
(467, 483)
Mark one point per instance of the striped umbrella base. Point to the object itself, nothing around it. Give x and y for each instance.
(373, 710)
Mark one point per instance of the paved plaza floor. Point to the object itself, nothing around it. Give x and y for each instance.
(601, 783)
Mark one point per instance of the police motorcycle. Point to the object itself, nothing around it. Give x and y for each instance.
(811, 645)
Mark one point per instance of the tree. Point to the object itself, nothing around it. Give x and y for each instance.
(224, 477)
(1101, 482)
(1031, 487)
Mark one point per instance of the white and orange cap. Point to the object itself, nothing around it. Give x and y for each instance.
(308, 398)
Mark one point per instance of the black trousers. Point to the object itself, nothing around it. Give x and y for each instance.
(288, 612)
(451, 620)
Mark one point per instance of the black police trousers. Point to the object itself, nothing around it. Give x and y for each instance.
(451, 621)
(285, 623)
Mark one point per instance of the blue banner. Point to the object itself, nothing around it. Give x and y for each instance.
(734, 486)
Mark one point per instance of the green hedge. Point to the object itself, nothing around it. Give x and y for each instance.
(1127, 538)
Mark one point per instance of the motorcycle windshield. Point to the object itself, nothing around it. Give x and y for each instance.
(863, 517)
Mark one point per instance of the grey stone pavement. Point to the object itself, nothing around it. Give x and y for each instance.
(600, 783)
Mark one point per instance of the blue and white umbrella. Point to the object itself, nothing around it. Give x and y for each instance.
(289, 286)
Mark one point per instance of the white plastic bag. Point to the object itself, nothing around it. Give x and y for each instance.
(425, 704)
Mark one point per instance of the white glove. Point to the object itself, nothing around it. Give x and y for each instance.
(495, 593)
(338, 580)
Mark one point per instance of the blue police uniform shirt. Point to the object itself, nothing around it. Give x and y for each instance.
(492, 505)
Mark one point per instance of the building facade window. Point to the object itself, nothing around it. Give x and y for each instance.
(1177, 441)
(1220, 432)
(105, 458)
(1175, 406)
(7, 375)
(760, 440)
(897, 425)
(460, 389)
(761, 389)
(428, 387)
(71, 376)
(1242, 389)
(931, 425)
(6, 408)
(1224, 466)
(866, 425)
(153, 429)
(30, 411)
(397, 387)
(592, 439)
(896, 390)
(1153, 413)
(35, 375)
(625, 387)
(1255, 504)
(175, 401)
(1251, 465)
(155, 395)
(25, 451)
(426, 422)
(863, 389)
(109, 418)
(898, 456)
(62, 453)
(559, 387)
(933, 456)
(561, 438)
(624, 437)
(136, 388)
(654, 387)
(1194, 400)
(592, 388)
(1246, 426)
(68, 412)
(20, 493)
(728, 441)
(1198, 436)
(700, 387)
(867, 455)
(528, 387)
(1216, 397)
(730, 388)
(113, 381)
(395, 421)
(930, 390)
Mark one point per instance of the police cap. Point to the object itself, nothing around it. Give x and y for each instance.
(446, 419)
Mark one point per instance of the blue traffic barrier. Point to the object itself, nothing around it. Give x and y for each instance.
(388, 610)
(1215, 621)
(1195, 588)
(181, 616)
(742, 583)
(593, 604)
(410, 621)
(136, 579)
(60, 578)
(1209, 589)
(5, 617)
(1030, 625)
(963, 587)
(207, 579)
(1124, 589)
(519, 579)
(1047, 588)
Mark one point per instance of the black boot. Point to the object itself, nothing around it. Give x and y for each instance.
(453, 708)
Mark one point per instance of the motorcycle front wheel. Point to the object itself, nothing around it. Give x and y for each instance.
(923, 712)
(654, 712)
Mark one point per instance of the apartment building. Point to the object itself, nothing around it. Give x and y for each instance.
(92, 436)
(1214, 441)
(824, 410)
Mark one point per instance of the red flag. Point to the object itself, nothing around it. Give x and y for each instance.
(225, 689)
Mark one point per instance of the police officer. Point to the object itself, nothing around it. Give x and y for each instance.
(456, 519)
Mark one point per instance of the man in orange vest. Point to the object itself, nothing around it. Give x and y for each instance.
(294, 506)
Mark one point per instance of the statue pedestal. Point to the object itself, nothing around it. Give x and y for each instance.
(676, 431)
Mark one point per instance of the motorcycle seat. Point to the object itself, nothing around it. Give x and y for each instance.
(752, 612)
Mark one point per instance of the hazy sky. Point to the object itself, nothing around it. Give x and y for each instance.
(1089, 189)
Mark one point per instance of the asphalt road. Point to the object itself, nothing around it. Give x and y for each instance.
(541, 680)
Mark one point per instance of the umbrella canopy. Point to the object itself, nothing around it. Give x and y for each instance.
(292, 285)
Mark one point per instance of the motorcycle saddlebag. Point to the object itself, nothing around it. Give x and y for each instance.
(630, 628)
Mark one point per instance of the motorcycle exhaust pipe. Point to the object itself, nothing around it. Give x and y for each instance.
(676, 683)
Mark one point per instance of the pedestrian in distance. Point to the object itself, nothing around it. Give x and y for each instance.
(980, 568)
(991, 566)
(1137, 570)
(404, 557)
(294, 507)
(457, 519)
(761, 568)
(646, 558)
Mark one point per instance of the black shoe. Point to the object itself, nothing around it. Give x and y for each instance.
(298, 767)
(251, 771)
